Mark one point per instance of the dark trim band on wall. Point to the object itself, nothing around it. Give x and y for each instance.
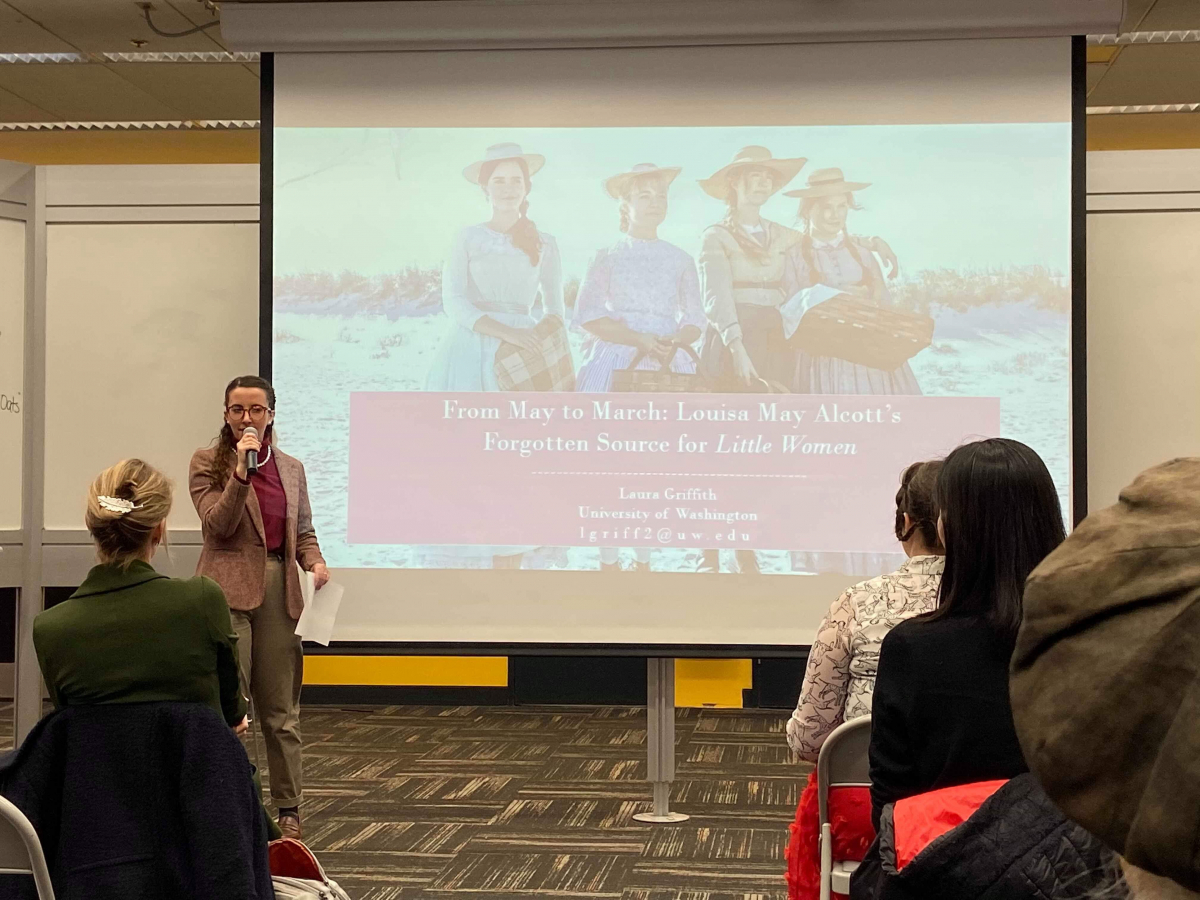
(649, 651)
(266, 213)
(403, 695)
(1079, 419)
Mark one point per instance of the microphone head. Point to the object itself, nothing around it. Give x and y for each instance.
(251, 430)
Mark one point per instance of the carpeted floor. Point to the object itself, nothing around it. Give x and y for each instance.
(529, 802)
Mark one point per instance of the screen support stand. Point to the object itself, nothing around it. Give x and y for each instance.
(660, 739)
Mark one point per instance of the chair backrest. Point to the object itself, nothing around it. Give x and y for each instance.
(20, 849)
(843, 761)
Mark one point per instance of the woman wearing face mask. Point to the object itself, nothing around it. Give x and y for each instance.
(500, 278)
(826, 261)
(640, 297)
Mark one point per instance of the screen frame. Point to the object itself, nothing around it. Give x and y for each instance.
(1078, 427)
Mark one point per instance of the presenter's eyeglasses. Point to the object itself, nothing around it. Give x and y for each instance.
(256, 411)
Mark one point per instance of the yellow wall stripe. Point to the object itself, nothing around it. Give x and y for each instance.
(424, 671)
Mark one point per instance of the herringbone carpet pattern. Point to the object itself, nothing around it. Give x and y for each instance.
(535, 802)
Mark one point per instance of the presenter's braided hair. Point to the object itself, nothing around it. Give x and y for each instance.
(524, 233)
(224, 440)
(918, 497)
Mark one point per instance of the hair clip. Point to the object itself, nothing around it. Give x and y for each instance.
(117, 505)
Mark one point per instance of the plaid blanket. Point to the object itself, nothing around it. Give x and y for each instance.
(551, 369)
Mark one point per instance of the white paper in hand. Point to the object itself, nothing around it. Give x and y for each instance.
(320, 610)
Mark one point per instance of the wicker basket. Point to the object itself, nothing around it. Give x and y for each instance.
(661, 380)
(845, 328)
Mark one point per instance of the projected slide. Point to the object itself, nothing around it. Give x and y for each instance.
(695, 350)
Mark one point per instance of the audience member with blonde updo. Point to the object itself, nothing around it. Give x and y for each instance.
(131, 634)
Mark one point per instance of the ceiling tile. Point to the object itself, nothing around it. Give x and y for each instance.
(1095, 71)
(1135, 11)
(21, 34)
(17, 109)
(197, 90)
(83, 92)
(1173, 15)
(100, 26)
(1163, 73)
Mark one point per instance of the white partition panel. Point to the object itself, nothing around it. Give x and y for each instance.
(1143, 314)
(146, 324)
(12, 356)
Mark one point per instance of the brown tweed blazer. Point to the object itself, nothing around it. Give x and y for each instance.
(235, 551)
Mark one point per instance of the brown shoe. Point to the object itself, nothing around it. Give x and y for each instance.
(290, 826)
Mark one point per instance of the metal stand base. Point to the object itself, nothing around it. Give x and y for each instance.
(660, 740)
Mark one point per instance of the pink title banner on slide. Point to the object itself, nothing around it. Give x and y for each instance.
(783, 471)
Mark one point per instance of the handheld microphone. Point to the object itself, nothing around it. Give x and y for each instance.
(251, 455)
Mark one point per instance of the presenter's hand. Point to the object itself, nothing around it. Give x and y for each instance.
(245, 445)
(320, 575)
(523, 338)
(743, 368)
(242, 727)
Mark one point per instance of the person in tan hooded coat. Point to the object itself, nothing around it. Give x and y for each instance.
(1105, 679)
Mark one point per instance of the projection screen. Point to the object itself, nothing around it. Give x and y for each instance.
(600, 347)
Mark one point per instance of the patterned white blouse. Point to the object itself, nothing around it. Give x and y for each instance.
(843, 661)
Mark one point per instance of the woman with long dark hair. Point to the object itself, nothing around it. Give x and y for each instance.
(941, 715)
(256, 529)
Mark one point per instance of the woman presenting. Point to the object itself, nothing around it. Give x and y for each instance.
(255, 528)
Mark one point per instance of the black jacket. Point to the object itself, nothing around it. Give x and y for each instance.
(940, 714)
(1017, 846)
(140, 801)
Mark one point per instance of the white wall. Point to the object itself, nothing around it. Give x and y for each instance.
(152, 306)
(1143, 314)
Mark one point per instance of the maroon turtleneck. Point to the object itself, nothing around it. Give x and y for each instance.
(272, 502)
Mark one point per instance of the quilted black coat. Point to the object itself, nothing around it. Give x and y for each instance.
(1016, 846)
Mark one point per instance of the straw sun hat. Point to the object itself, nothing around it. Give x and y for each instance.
(500, 152)
(827, 183)
(617, 185)
(717, 184)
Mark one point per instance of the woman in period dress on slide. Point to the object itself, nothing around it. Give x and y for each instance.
(501, 277)
(825, 262)
(639, 296)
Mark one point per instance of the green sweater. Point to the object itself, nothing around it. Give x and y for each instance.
(134, 636)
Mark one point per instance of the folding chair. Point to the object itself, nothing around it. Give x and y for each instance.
(841, 763)
(21, 851)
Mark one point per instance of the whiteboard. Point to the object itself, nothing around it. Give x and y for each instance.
(12, 356)
(146, 323)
